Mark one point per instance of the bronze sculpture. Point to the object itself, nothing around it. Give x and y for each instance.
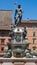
(18, 15)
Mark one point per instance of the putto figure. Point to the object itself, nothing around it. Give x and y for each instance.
(18, 15)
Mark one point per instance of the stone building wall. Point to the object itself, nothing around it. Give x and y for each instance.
(31, 27)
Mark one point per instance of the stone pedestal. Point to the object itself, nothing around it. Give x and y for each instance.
(18, 61)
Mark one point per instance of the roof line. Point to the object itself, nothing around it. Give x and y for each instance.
(5, 10)
(29, 20)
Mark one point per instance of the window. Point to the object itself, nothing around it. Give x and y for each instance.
(2, 34)
(34, 40)
(33, 27)
(33, 33)
(9, 40)
(2, 49)
(34, 48)
(2, 41)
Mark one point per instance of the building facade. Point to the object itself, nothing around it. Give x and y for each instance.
(5, 22)
(31, 26)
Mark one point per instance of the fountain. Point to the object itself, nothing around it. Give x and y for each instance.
(18, 46)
